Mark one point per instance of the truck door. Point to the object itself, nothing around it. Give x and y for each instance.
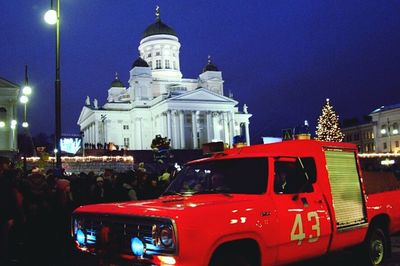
(303, 218)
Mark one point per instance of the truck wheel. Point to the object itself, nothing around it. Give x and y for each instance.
(229, 260)
(375, 247)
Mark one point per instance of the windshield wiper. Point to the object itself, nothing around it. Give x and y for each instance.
(225, 193)
(169, 193)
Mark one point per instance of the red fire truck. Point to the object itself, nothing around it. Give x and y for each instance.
(269, 204)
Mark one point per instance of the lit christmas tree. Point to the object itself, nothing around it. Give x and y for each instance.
(328, 128)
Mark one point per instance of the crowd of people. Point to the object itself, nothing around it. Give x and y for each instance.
(36, 207)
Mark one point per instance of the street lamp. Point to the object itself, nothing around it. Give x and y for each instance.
(53, 17)
(24, 99)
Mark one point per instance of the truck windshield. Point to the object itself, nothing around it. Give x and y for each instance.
(236, 176)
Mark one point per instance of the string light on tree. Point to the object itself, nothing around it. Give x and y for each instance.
(328, 128)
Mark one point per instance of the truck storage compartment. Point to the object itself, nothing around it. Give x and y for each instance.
(345, 184)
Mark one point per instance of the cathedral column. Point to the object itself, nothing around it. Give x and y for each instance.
(194, 130)
(169, 129)
(175, 129)
(182, 128)
(96, 132)
(138, 133)
(164, 125)
(215, 126)
(90, 134)
(209, 126)
(225, 126)
(231, 127)
(246, 124)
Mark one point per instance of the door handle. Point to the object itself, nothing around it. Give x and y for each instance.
(305, 202)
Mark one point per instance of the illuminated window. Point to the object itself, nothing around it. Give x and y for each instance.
(158, 64)
(383, 131)
(167, 66)
(395, 129)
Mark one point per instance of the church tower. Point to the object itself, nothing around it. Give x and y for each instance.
(159, 47)
(140, 81)
(211, 78)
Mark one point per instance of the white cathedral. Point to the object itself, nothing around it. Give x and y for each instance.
(158, 101)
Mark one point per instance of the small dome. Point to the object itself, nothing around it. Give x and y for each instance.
(140, 62)
(116, 82)
(158, 27)
(210, 66)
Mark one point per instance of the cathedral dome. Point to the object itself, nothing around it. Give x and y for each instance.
(158, 27)
(140, 63)
(116, 82)
(210, 66)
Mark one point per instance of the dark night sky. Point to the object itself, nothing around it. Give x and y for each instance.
(281, 58)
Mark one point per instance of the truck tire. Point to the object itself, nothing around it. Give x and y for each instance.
(229, 260)
(375, 248)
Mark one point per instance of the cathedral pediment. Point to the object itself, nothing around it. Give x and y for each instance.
(202, 94)
(85, 113)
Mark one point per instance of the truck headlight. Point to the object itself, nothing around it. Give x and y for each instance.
(166, 236)
(163, 235)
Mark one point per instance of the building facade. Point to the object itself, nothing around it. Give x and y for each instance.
(386, 121)
(159, 101)
(362, 135)
(8, 116)
(381, 135)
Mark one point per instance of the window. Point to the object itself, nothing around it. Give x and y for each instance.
(126, 127)
(158, 53)
(384, 145)
(149, 55)
(167, 64)
(395, 129)
(397, 143)
(294, 175)
(151, 64)
(174, 64)
(383, 131)
(158, 64)
(126, 142)
(222, 176)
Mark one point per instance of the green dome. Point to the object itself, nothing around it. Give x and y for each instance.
(158, 28)
(116, 82)
(210, 66)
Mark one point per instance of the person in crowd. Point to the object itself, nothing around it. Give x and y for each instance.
(97, 191)
(130, 187)
(10, 210)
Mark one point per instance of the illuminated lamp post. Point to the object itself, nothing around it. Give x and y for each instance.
(52, 17)
(24, 99)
